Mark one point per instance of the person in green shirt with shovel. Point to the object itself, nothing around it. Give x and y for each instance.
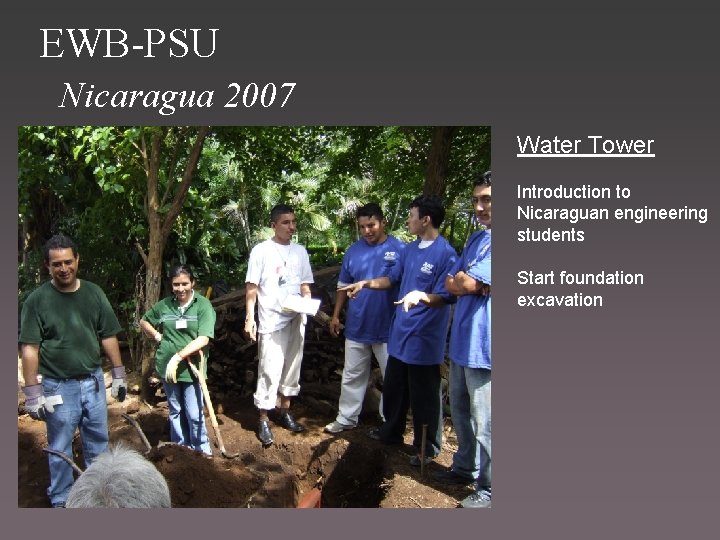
(182, 324)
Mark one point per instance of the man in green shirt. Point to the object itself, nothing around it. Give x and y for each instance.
(64, 325)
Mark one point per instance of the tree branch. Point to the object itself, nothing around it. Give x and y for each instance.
(179, 140)
(190, 166)
(146, 167)
(141, 251)
(153, 171)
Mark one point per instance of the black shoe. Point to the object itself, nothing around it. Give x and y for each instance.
(415, 461)
(374, 434)
(448, 476)
(264, 434)
(377, 435)
(288, 422)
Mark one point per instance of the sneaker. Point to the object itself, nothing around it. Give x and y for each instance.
(448, 476)
(479, 499)
(58, 505)
(415, 460)
(337, 427)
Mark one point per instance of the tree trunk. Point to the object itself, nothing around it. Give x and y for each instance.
(153, 286)
(245, 224)
(396, 214)
(160, 228)
(438, 159)
(23, 242)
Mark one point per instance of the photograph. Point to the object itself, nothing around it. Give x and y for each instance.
(254, 316)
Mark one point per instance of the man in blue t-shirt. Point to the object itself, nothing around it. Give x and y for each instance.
(416, 345)
(471, 364)
(367, 322)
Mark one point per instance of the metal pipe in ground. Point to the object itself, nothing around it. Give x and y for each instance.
(311, 499)
(422, 449)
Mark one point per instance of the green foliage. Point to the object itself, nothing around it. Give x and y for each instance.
(29, 276)
(90, 182)
(387, 165)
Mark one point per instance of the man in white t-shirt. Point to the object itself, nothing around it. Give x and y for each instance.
(277, 268)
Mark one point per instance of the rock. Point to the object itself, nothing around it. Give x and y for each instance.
(132, 406)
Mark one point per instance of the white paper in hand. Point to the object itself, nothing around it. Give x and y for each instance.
(294, 303)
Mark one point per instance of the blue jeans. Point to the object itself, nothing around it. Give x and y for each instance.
(185, 410)
(84, 406)
(471, 414)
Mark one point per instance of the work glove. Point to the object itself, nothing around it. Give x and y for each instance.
(412, 299)
(119, 386)
(171, 369)
(35, 401)
(203, 363)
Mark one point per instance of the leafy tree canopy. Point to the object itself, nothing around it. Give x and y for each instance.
(138, 199)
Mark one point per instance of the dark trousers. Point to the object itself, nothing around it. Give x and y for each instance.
(409, 386)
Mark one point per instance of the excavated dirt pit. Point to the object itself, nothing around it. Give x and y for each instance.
(351, 470)
(273, 477)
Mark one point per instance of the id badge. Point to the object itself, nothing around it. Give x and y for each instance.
(180, 324)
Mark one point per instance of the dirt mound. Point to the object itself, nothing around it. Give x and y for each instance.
(350, 469)
(198, 482)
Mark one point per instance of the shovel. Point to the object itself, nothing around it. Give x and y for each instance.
(206, 395)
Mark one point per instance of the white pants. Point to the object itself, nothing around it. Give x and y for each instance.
(280, 355)
(356, 373)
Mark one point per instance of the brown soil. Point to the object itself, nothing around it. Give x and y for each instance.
(350, 469)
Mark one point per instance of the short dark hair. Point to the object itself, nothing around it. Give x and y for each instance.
(176, 270)
(58, 241)
(370, 210)
(430, 205)
(483, 180)
(278, 210)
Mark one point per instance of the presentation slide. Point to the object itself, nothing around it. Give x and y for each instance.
(158, 136)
